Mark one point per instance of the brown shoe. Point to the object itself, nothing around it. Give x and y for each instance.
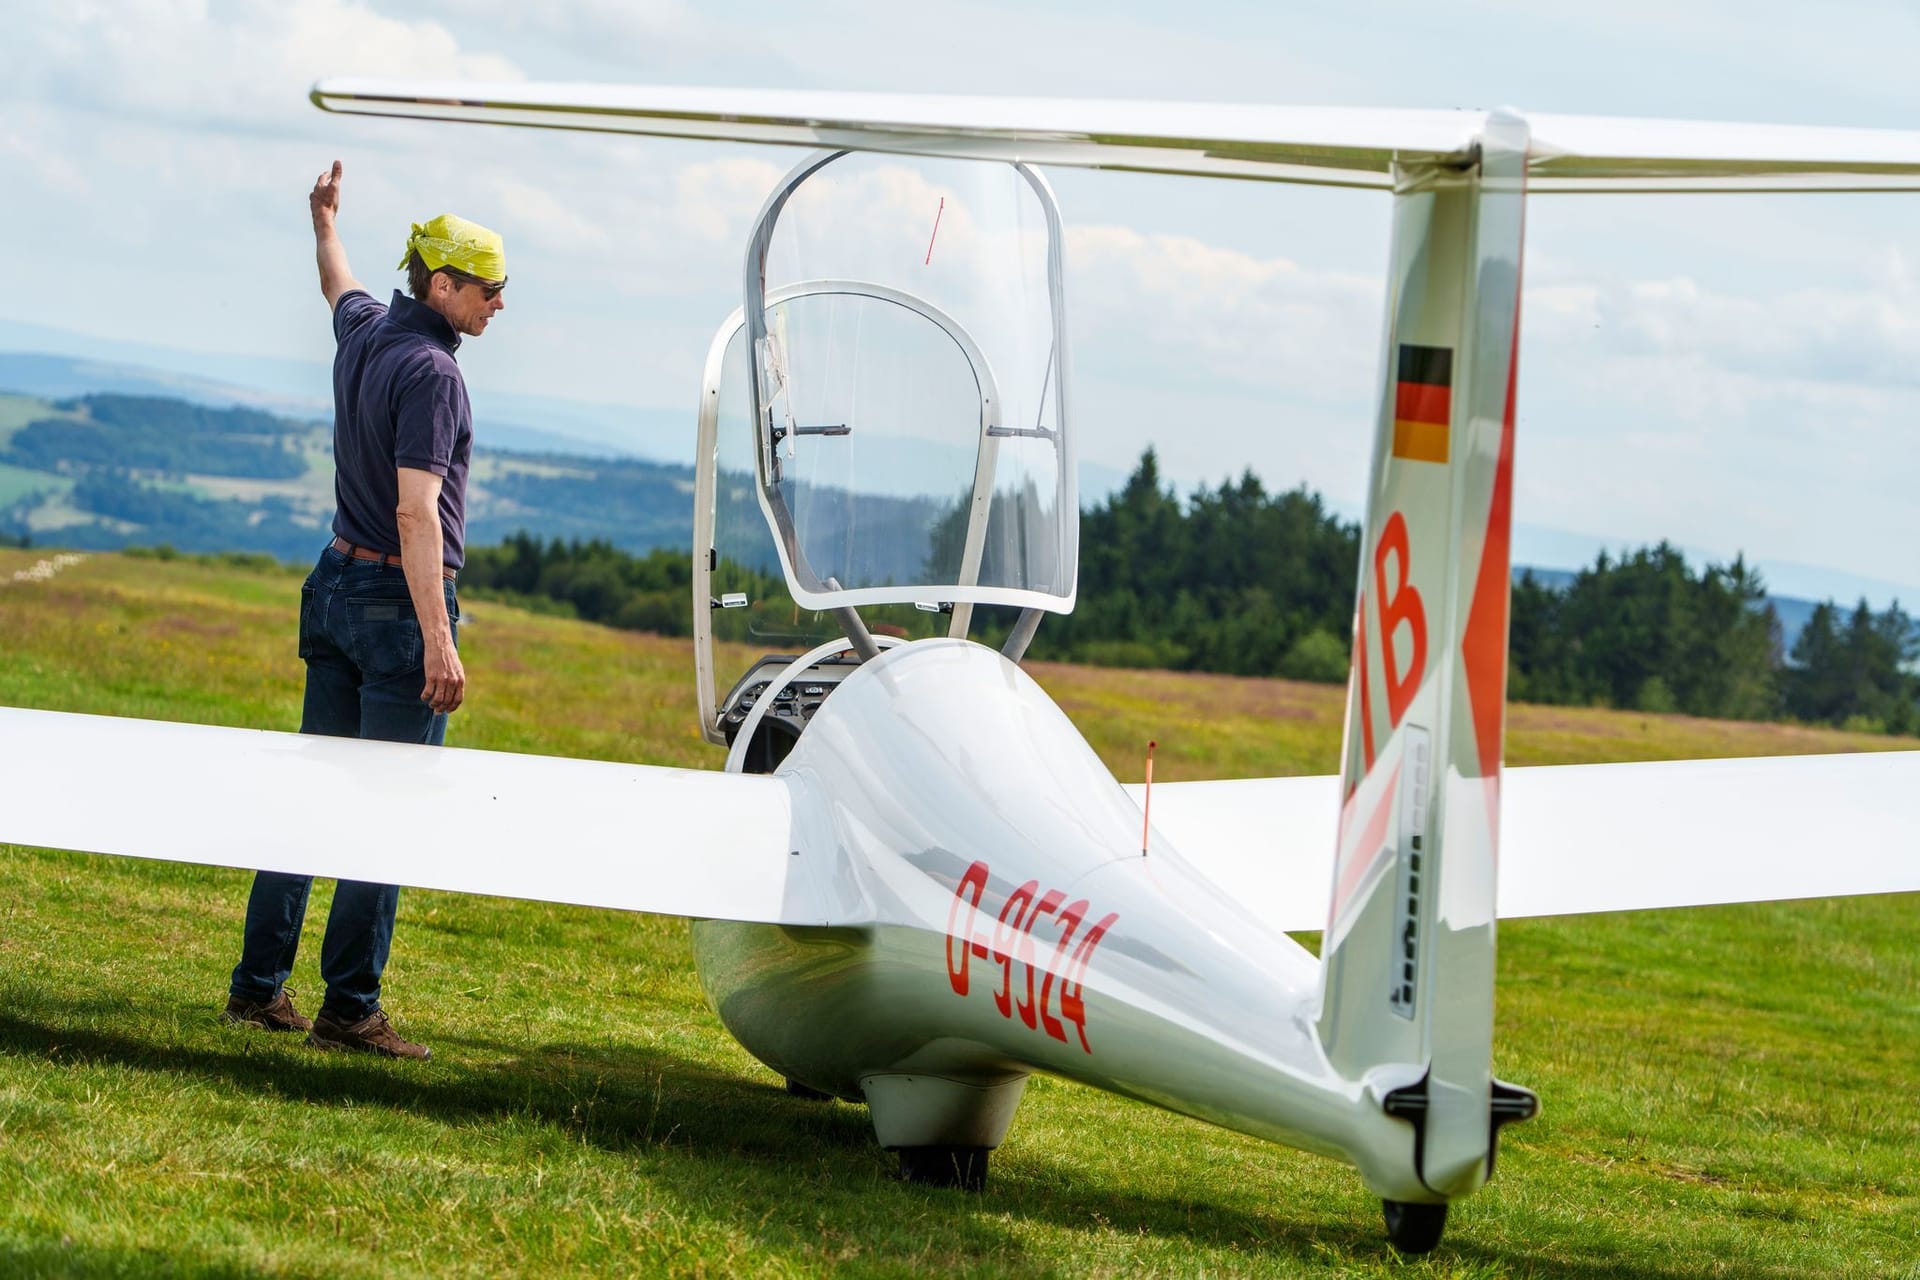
(372, 1034)
(277, 1014)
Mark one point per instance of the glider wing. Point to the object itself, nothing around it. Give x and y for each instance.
(1599, 837)
(1333, 146)
(673, 841)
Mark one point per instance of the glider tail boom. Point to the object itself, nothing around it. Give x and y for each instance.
(1407, 985)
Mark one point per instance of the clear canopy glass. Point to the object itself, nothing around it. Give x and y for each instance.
(746, 609)
(907, 384)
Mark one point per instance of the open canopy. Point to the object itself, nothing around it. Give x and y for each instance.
(903, 350)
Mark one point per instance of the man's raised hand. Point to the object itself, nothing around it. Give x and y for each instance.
(336, 277)
(325, 200)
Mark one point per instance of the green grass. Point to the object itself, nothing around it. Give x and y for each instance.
(1728, 1091)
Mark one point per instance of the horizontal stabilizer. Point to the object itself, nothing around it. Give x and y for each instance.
(672, 841)
(1595, 837)
(1335, 146)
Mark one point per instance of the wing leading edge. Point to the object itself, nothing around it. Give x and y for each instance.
(641, 838)
(1600, 837)
(1333, 146)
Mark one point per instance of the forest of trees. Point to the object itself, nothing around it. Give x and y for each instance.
(1645, 631)
(1854, 668)
(1239, 580)
(1235, 580)
(594, 580)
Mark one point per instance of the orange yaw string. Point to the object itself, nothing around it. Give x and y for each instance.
(1146, 801)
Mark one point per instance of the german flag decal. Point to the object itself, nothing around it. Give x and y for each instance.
(1423, 403)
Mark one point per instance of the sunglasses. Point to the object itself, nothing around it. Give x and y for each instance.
(489, 289)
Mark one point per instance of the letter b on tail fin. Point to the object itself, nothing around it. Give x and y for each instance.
(1407, 996)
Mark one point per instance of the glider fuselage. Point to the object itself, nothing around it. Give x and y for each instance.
(991, 912)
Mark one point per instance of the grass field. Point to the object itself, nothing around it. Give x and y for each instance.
(1727, 1091)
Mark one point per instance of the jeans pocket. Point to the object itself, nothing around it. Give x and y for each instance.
(309, 620)
(384, 634)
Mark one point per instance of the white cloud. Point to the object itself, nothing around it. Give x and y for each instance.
(632, 33)
(1772, 419)
(1219, 313)
(26, 142)
(1829, 334)
(953, 46)
(1778, 422)
(536, 213)
(231, 66)
(1680, 352)
(715, 200)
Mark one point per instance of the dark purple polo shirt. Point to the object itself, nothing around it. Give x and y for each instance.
(398, 401)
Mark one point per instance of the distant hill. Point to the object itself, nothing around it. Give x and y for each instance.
(106, 471)
(54, 364)
(592, 431)
(55, 377)
(103, 471)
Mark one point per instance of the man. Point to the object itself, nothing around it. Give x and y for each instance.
(378, 612)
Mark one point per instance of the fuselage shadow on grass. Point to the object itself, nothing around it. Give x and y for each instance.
(70, 1259)
(620, 1097)
(786, 1161)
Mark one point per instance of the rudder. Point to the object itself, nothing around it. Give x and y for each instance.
(1407, 995)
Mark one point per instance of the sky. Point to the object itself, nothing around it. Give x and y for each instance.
(1735, 374)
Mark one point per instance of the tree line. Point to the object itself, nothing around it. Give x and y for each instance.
(1235, 580)
(1644, 630)
(1238, 580)
(593, 580)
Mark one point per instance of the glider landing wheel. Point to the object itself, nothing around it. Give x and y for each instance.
(1414, 1228)
(798, 1090)
(961, 1167)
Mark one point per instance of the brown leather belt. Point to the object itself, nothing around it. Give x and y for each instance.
(346, 548)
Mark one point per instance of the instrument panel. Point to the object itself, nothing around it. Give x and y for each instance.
(793, 705)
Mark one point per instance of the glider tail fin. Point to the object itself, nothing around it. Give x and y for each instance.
(1407, 994)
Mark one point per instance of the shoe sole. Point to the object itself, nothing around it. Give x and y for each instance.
(234, 1020)
(358, 1046)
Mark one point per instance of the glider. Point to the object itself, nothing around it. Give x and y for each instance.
(916, 885)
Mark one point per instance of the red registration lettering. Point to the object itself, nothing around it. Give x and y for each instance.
(1402, 606)
(1013, 944)
(1005, 937)
(1069, 921)
(1072, 984)
(1045, 907)
(975, 879)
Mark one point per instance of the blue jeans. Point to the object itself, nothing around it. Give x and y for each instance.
(366, 666)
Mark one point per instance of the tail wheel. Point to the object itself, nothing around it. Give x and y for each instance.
(1414, 1228)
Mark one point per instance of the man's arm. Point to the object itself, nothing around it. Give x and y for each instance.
(420, 552)
(336, 277)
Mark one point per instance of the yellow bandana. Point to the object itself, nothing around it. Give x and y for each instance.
(448, 241)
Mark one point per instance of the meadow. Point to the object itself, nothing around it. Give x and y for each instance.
(1727, 1091)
